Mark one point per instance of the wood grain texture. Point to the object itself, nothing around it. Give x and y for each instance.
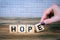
(51, 32)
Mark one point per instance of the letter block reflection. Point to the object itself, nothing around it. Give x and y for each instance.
(30, 29)
(13, 28)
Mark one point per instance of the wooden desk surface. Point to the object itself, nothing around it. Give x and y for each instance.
(51, 32)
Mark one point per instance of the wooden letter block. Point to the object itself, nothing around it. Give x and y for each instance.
(30, 29)
(13, 28)
(21, 29)
(39, 27)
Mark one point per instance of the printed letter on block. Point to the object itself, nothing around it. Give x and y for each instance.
(21, 29)
(30, 29)
(13, 28)
(39, 27)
